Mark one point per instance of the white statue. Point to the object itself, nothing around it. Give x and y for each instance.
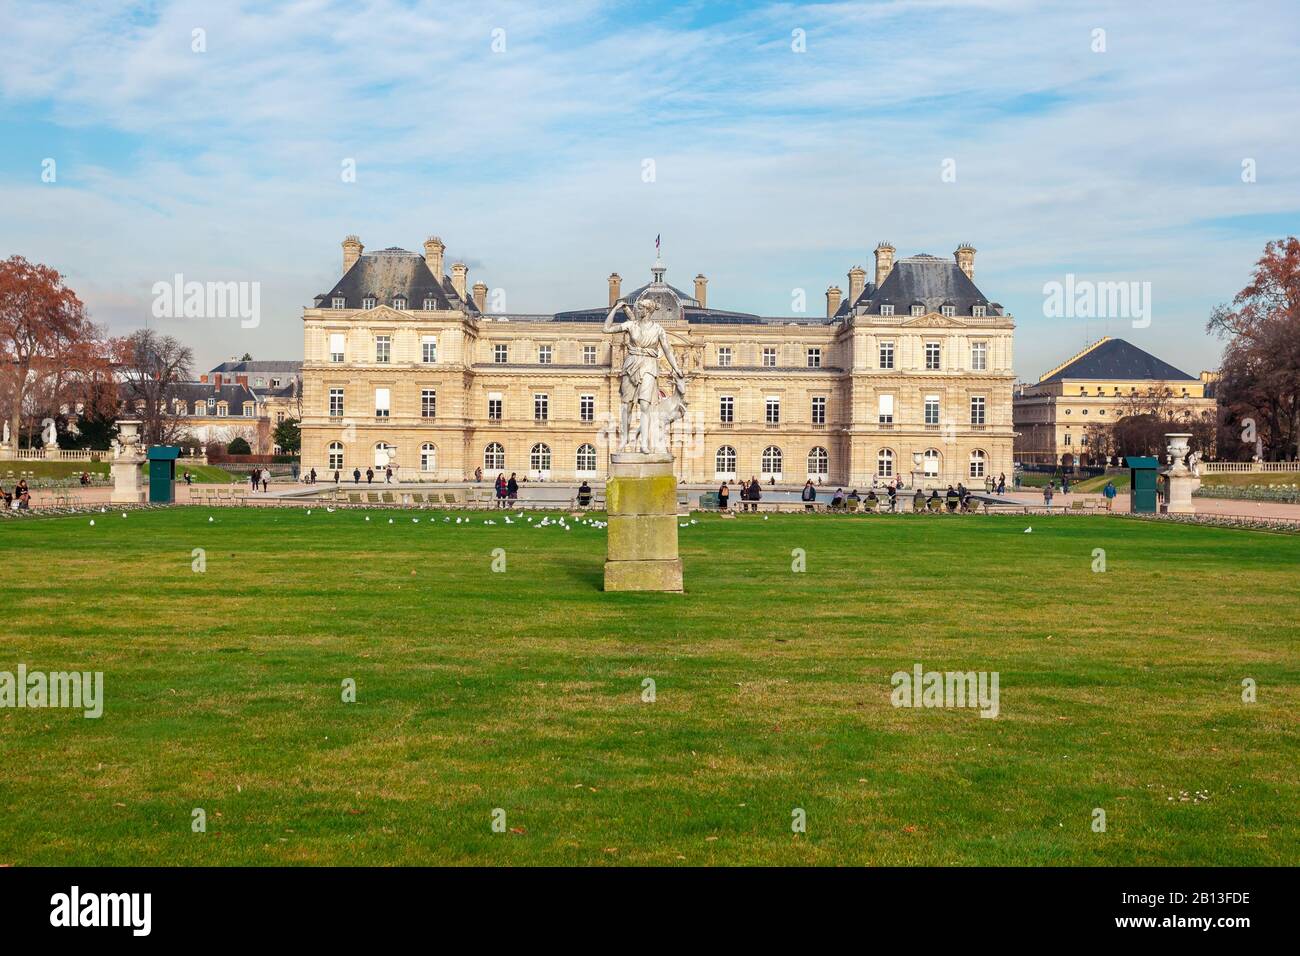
(639, 385)
(51, 434)
(5, 441)
(1194, 463)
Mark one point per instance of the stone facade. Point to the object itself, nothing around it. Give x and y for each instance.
(1096, 388)
(400, 361)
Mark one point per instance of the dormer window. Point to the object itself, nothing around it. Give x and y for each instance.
(918, 308)
(368, 302)
(399, 303)
(337, 302)
(979, 311)
(428, 304)
(948, 311)
(886, 309)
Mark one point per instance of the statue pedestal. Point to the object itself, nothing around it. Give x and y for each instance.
(128, 489)
(641, 501)
(1180, 493)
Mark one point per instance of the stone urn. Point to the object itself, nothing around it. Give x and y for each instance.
(1176, 445)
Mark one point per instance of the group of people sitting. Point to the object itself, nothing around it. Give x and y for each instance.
(18, 499)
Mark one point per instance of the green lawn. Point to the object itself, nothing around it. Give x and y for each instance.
(70, 469)
(522, 691)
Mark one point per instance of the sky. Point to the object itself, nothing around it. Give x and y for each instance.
(771, 145)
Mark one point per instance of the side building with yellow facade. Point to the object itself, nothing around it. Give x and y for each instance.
(405, 365)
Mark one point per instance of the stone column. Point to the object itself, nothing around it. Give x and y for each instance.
(128, 489)
(1178, 477)
(641, 500)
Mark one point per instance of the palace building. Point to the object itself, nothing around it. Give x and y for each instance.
(911, 371)
(1061, 417)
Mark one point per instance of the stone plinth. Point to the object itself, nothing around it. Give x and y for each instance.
(641, 500)
(1180, 493)
(128, 488)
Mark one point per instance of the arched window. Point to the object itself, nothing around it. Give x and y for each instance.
(428, 457)
(885, 463)
(336, 455)
(931, 462)
(539, 459)
(977, 462)
(819, 462)
(586, 458)
(772, 460)
(725, 461)
(494, 457)
(200, 408)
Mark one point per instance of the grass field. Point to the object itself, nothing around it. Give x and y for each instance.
(71, 469)
(522, 690)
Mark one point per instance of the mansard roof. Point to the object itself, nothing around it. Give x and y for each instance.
(929, 280)
(389, 273)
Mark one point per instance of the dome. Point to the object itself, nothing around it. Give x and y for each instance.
(668, 304)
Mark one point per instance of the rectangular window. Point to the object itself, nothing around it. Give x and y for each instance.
(819, 410)
(814, 358)
(501, 354)
(886, 310)
(932, 409)
(724, 356)
(886, 354)
(769, 357)
(948, 311)
(494, 407)
(979, 356)
(587, 408)
(541, 407)
(589, 355)
(337, 302)
(1067, 438)
(543, 355)
(979, 311)
(429, 349)
(773, 416)
(381, 402)
(977, 410)
(726, 409)
(886, 409)
(428, 403)
(336, 346)
(336, 403)
(383, 348)
(931, 356)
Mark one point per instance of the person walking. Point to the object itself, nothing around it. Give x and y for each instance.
(893, 497)
(500, 486)
(266, 481)
(336, 476)
(512, 489)
(1109, 492)
(356, 476)
(723, 494)
(370, 476)
(388, 475)
(313, 477)
(1065, 484)
(1048, 490)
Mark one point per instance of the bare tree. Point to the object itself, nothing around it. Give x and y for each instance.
(149, 364)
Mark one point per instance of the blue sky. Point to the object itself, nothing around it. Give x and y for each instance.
(775, 170)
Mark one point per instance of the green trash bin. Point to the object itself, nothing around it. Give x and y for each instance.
(162, 473)
(1143, 476)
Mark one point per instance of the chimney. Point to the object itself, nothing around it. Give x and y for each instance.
(433, 250)
(241, 380)
(833, 295)
(702, 290)
(352, 249)
(615, 288)
(857, 282)
(216, 381)
(480, 296)
(884, 262)
(204, 378)
(965, 256)
(458, 273)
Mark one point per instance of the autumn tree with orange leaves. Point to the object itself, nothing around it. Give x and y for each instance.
(1259, 386)
(51, 354)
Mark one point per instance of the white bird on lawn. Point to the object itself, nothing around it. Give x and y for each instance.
(211, 519)
(123, 514)
(103, 510)
(390, 520)
(367, 517)
(508, 521)
(308, 511)
(415, 521)
(92, 522)
(1029, 529)
(329, 509)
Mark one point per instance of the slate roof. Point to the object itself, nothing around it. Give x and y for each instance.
(231, 393)
(921, 279)
(1119, 360)
(389, 273)
(238, 368)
